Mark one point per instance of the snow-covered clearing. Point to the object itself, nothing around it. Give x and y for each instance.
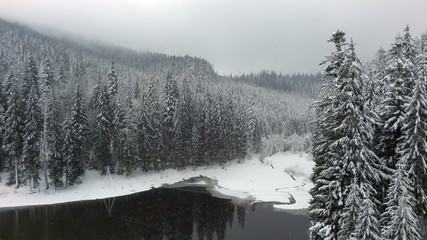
(277, 179)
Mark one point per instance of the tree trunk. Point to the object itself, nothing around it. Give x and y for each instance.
(45, 147)
(16, 174)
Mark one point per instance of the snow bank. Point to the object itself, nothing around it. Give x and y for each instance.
(280, 179)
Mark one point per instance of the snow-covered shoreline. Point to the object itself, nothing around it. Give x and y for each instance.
(280, 178)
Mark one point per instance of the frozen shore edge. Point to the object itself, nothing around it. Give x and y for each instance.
(281, 180)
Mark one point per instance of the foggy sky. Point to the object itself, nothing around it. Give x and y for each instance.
(237, 36)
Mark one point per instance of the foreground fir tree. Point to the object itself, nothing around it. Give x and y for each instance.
(399, 79)
(399, 220)
(416, 123)
(324, 219)
(343, 155)
(413, 145)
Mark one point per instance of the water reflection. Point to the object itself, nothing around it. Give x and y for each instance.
(186, 213)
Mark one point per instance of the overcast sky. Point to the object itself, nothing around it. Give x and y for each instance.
(237, 36)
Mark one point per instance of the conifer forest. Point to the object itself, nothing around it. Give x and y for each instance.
(76, 113)
(68, 107)
(369, 143)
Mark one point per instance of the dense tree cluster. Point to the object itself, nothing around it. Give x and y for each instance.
(369, 144)
(66, 108)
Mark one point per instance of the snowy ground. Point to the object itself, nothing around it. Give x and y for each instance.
(281, 177)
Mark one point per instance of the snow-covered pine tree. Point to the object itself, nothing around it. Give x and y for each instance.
(209, 137)
(113, 82)
(126, 141)
(47, 81)
(54, 136)
(400, 220)
(253, 134)
(62, 78)
(113, 89)
(418, 168)
(220, 133)
(367, 168)
(324, 220)
(179, 136)
(367, 223)
(171, 96)
(32, 132)
(195, 143)
(343, 156)
(12, 138)
(412, 145)
(76, 140)
(68, 147)
(47, 78)
(229, 114)
(399, 78)
(351, 210)
(187, 117)
(136, 91)
(240, 146)
(155, 140)
(378, 71)
(144, 129)
(30, 76)
(119, 123)
(102, 131)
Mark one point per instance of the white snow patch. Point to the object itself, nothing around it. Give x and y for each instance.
(271, 181)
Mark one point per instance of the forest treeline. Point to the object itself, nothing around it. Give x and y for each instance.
(67, 107)
(369, 144)
(150, 130)
(308, 84)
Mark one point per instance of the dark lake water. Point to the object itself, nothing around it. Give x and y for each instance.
(184, 213)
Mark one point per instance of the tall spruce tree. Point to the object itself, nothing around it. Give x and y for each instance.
(343, 154)
(76, 140)
(54, 140)
(12, 139)
(113, 82)
(399, 77)
(412, 146)
(47, 81)
(102, 130)
(179, 136)
(144, 129)
(126, 139)
(32, 120)
(327, 189)
(171, 96)
(154, 133)
(32, 132)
